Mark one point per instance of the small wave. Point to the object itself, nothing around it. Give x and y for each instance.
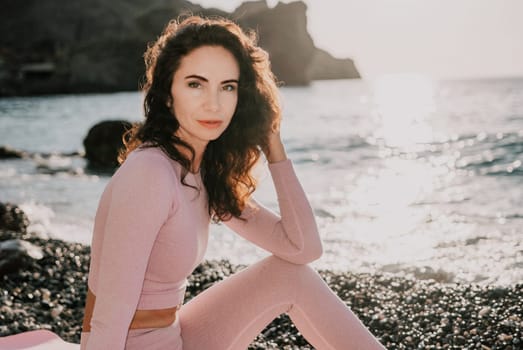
(484, 154)
(57, 164)
(419, 272)
(337, 151)
(44, 224)
(502, 170)
(324, 213)
(40, 217)
(46, 164)
(313, 158)
(514, 216)
(344, 143)
(472, 216)
(53, 162)
(514, 117)
(451, 200)
(475, 240)
(10, 153)
(460, 243)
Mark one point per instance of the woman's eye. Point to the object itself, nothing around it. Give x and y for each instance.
(194, 84)
(229, 87)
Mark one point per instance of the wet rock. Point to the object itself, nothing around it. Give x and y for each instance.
(7, 152)
(17, 254)
(104, 141)
(13, 218)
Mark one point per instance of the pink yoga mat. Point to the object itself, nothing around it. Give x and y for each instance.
(36, 340)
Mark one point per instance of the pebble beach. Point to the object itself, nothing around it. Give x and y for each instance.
(46, 290)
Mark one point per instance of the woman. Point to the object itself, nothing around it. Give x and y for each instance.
(211, 109)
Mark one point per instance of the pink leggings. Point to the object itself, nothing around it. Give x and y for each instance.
(231, 313)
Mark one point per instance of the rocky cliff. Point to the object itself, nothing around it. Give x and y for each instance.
(66, 46)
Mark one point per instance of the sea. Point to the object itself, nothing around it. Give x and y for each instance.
(406, 175)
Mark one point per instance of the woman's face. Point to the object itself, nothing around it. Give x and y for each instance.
(204, 92)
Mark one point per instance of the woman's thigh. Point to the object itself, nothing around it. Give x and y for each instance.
(231, 313)
(149, 338)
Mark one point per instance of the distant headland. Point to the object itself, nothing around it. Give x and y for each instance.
(66, 46)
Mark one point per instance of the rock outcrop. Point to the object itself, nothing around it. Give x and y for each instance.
(324, 66)
(282, 31)
(95, 46)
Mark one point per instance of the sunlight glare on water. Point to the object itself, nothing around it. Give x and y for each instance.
(389, 192)
(404, 105)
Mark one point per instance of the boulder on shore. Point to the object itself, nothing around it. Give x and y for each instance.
(103, 143)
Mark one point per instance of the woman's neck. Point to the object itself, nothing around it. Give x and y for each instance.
(198, 147)
(198, 156)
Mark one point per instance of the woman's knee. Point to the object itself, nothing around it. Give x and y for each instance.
(287, 272)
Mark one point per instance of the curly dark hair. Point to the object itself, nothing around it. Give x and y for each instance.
(227, 161)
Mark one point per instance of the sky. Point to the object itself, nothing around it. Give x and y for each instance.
(442, 39)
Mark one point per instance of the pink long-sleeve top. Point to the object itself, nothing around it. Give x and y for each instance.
(151, 232)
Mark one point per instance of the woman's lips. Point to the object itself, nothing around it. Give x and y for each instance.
(210, 124)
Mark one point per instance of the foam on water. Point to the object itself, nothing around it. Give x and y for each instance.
(43, 223)
(40, 217)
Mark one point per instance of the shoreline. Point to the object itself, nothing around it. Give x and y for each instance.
(49, 293)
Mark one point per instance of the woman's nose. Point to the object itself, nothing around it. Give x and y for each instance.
(212, 101)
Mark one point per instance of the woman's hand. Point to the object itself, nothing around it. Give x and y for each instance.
(275, 152)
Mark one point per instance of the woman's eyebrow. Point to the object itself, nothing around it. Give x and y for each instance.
(230, 81)
(194, 76)
(199, 77)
